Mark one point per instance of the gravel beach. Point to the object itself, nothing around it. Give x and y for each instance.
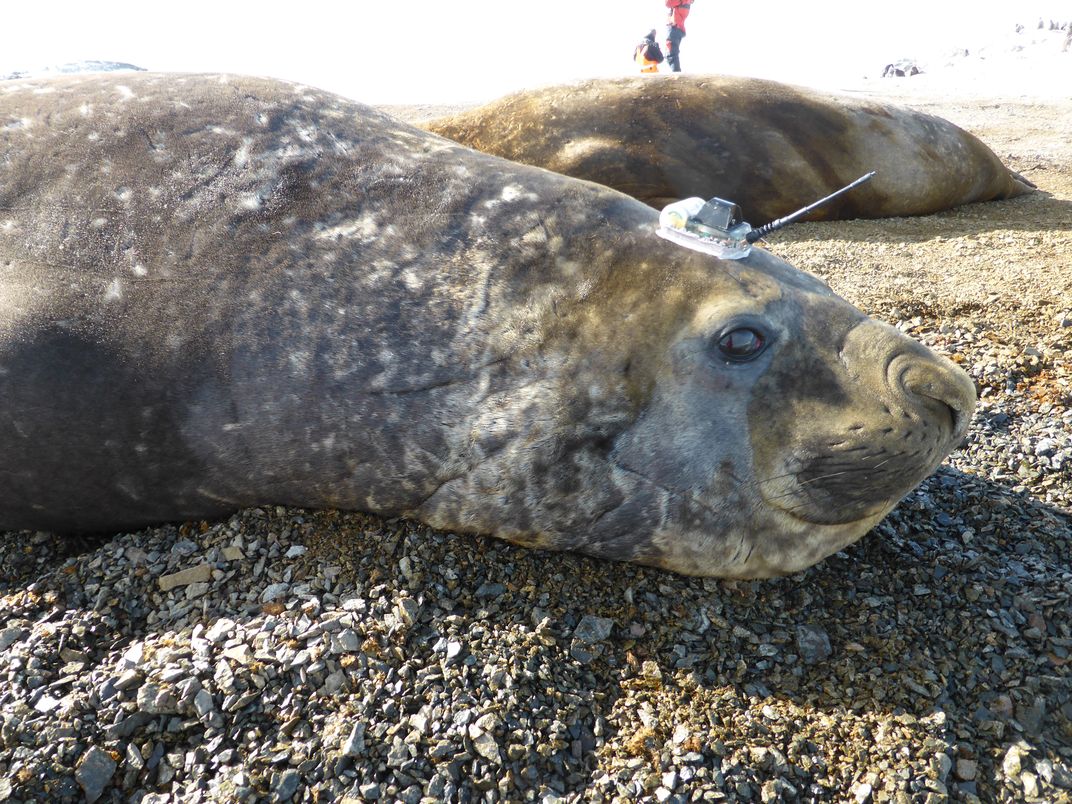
(289, 655)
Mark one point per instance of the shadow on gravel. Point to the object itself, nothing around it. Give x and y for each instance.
(946, 632)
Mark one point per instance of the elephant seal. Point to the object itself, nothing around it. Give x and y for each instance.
(217, 292)
(770, 147)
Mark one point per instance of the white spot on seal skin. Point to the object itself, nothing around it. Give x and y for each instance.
(511, 192)
(363, 228)
(250, 201)
(123, 194)
(139, 270)
(241, 157)
(412, 279)
(299, 361)
(114, 291)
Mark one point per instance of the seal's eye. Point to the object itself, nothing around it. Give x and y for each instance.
(741, 345)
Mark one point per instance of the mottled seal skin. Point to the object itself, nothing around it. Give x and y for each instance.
(217, 292)
(770, 147)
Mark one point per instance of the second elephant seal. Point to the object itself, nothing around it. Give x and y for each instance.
(770, 147)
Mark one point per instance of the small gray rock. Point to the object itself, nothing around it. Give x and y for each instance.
(9, 636)
(486, 746)
(285, 785)
(95, 770)
(202, 573)
(273, 591)
(152, 700)
(592, 629)
(219, 630)
(203, 703)
(135, 761)
(813, 644)
(355, 743)
(347, 641)
(398, 755)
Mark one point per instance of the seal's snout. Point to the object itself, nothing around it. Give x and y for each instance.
(935, 388)
(899, 409)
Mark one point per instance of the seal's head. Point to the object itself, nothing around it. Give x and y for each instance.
(726, 418)
(785, 424)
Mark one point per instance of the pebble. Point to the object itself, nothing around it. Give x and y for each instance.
(1011, 765)
(9, 636)
(202, 573)
(592, 629)
(966, 769)
(813, 643)
(94, 771)
(274, 592)
(285, 785)
(355, 742)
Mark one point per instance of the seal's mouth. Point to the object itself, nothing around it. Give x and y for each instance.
(844, 481)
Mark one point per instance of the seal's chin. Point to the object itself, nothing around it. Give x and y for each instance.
(833, 516)
(801, 543)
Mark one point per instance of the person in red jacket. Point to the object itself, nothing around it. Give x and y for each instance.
(679, 12)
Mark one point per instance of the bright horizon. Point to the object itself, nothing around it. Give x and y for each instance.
(453, 51)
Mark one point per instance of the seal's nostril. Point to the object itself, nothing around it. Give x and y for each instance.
(933, 386)
(955, 417)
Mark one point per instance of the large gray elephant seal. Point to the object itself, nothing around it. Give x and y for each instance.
(770, 147)
(217, 292)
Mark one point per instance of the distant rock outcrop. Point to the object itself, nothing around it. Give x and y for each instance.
(90, 66)
(901, 69)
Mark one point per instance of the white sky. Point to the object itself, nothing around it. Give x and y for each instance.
(444, 51)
